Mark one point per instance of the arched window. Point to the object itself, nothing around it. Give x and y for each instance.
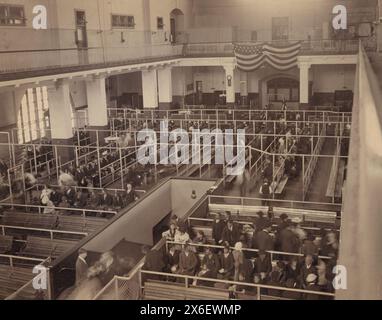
(33, 118)
(283, 88)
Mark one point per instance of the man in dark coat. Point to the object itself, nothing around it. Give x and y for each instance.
(226, 264)
(172, 260)
(231, 234)
(289, 241)
(81, 267)
(212, 262)
(306, 269)
(263, 240)
(153, 262)
(218, 228)
(187, 262)
(263, 264)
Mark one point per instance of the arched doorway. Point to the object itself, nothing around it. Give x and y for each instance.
(177, 26)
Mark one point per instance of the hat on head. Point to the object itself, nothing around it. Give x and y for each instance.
(311, 278)
(283, 216)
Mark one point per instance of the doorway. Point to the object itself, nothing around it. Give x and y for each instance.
(177, 27)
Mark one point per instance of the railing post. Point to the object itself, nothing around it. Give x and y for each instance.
(258, 293)
(116, 288)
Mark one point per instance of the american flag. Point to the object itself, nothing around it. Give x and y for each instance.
(251, 57)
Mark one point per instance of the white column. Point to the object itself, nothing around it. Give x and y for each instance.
(60, 112)
(165, 87)
(150, 88)
(304, 82)
(97, 102)
(230, 83)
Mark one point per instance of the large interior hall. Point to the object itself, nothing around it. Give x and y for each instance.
(190, 149)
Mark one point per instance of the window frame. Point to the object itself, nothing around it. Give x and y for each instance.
(9, 18)
(120, 25)
(276, 27)
(160, 26)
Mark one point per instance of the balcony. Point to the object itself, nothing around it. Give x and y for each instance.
(47, 52)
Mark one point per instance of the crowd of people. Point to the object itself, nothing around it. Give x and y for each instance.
(307, 264)
(82, 198)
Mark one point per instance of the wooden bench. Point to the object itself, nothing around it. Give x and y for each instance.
(80, 224)
(31, 220)
(340, 179)
(330, 190)
(6, 243)
(157, 290)
(45, 247)
(12, 279)
(281, 185)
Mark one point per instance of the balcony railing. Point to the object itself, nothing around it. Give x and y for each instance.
(53, 51)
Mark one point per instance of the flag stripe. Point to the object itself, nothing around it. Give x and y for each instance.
(279, 57)
(251, 57)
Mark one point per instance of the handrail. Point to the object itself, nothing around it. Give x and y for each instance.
(244, 222)
(83, 211)
(13, 257)
(14, 295)
(271, 252)
(50, 231)
(242, 199)
(241, 284)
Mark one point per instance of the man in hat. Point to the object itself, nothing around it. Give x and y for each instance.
(283, 222)
(261, 221)
(263, 240)
(263, 264)
(81, 266)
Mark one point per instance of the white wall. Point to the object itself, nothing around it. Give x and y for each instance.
(329, 78)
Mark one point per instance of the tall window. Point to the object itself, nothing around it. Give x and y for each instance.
(12, 15)
(160, 23)
(32, 120)
(280, 28)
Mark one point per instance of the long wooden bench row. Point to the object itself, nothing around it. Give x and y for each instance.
(157, 290)
(38, 221)
(53, 222)
(304, 214)
(44, 247)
